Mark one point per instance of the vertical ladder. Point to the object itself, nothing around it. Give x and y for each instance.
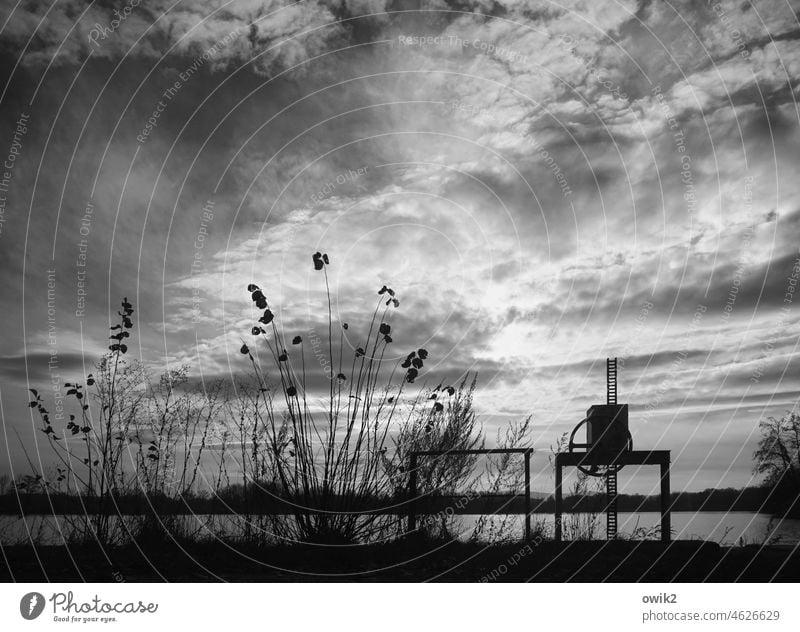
(611, 504)
(611, 381)
(611, 475)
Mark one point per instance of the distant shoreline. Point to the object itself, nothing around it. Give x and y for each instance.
(231, 502)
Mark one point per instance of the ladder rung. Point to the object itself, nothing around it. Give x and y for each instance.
(611, 505)
(611, 380)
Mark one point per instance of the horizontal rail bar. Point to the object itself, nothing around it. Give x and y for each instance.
(634, 457)
(425, 504)
(465, 452)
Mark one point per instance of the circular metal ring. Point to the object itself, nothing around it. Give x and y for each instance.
(597, 470)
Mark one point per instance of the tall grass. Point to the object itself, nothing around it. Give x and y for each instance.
(337, 454)
(331, 464)
(91, 446)
(126, 437)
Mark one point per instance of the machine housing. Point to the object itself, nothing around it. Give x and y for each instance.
(607, 429)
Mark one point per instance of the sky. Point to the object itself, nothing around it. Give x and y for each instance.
(544, 185)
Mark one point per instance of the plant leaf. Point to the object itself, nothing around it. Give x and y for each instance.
(267, 317)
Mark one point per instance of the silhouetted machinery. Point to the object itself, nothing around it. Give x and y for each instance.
(607, 434)
(607, 437)
(609, 447)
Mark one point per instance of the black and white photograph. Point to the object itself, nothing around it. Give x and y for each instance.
(399, 291)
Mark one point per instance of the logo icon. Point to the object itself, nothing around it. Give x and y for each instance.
(31, 605)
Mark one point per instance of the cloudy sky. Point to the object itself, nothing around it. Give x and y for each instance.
(544, 184)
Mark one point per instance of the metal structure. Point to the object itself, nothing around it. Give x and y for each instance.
(608, 448)
(412, 484)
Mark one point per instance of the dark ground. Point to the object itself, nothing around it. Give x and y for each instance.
(407, 561)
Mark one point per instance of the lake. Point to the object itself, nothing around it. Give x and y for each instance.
(726, 528)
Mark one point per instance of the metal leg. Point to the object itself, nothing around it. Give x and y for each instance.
(666, 523)
(558, 501)
(527, 496)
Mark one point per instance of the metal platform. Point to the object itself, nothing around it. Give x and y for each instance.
(634, 457)
(414, 455)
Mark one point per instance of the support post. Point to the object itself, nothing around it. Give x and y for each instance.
(412, 489)
(527, 496)
(558, 501)
(666, 523)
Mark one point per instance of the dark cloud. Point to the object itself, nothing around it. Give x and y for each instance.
(37, 369)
